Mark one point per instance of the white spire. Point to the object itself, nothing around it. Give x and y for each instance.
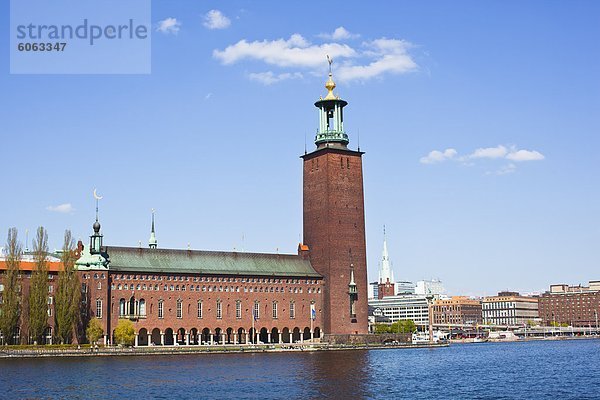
(385, 270)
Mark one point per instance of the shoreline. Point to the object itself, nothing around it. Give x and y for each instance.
(175, 350)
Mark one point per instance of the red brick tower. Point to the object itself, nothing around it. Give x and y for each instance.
(334, 220)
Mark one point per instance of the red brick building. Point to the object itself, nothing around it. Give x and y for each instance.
(458, 310)
(577, 306)
(191, 297)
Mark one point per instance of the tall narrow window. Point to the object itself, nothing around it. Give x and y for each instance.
(219, 309)
(122, 307)
(256, 310)
(179, 309)
(238, 309)
(274, 310)
(142, 307)
(199, 308)
(292, 310)
(98, 308)
(160, 309)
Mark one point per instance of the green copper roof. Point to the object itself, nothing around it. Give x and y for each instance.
(143, 260)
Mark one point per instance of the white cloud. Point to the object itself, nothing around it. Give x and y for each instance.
(525, 155)
(169, 25)
(370, 60)
(208, 96)
(65, 208)
(490, 152)
(436, 156)
(269, 78)
(507, 169)
(499, 152)
(214, 19)
(339, 33)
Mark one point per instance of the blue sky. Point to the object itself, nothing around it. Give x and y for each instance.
(479, 121)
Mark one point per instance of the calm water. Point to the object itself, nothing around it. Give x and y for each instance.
(561, 370)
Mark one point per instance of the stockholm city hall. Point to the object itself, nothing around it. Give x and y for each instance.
(196, 297)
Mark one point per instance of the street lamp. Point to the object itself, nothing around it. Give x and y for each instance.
(429, 298)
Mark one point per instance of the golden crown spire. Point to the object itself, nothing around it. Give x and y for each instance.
(330, 84)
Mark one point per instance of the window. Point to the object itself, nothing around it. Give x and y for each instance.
(179, 309)
(160, 309)
(50, 300)
(50, 289)
(1, 287)
(122, 307)
(238, 309)
(292, 310)
(256, 310)
(142, 307)
(98, 308)
(199, 308)
(274, 310)
(219, 309)
(99, 285)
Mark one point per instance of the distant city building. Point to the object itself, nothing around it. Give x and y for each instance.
(397, 308)
(373, 290)
(458, 310)
(573, 305)
(405, 287)
(509, 308)
(434, 287)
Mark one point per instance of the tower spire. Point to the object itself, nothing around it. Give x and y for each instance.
(152, 242)
(331, 121)
(385, 271)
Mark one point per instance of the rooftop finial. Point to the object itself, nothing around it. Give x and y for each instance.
(330, 84)
(97, 223)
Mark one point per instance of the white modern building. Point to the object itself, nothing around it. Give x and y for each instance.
(432, 287)
(413, 307)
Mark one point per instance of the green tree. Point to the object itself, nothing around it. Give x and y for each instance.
(68, 294)
(382, 328)
(94, 331)
(38, 288)
(125, 332)
(10, 297)
(403, 326)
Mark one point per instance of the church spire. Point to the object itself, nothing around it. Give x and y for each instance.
(331, 119)
(152, 242)
(385, 270)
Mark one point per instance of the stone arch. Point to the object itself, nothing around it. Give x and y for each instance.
(252, 337)
(274, 335)
(143, 337)
(218, 336)
(317, 332)
(263, 336)
(181, 336)
(194, 336)
(169, 337)
(242, 339)
(205, 336)
(229, 336)
(296, 335)
(156, 338)
(286, 336)
(306, 333)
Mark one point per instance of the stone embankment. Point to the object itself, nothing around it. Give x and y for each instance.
(44, 351)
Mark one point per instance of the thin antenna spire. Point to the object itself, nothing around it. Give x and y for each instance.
(358, 137)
